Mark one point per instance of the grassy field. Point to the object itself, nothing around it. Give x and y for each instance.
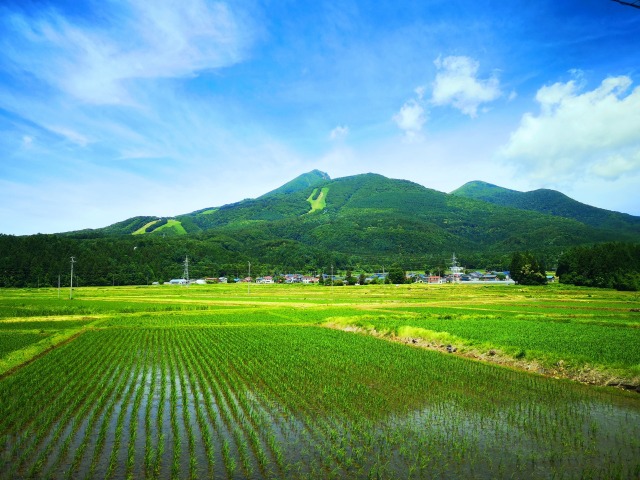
(287, 381)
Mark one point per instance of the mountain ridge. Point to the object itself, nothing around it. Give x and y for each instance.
(370, 212)
(360, 222)
(294, 199)
(549, 202)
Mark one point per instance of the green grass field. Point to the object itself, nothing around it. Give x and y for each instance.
(287, 381)
(318, 200)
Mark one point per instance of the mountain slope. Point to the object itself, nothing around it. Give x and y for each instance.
(360, 222)
(550, 202)
(369, 215)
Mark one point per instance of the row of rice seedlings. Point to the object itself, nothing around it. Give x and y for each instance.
(239, 434)
(25, 416)
(44, 422)
(156, 466)
(105, 391)
(137, 402)
(194, 376)
(186, 414)
(50, 422)
(217, 414)
(19, 414)
(134, 381)
(247, 443)
(77, 418)
(71, 430)
(222, 405)
(153, 359)
(241, 411)
(173, 413)
(246, 415)
(315, 427)
(310, 432)
(305, 433)
(107, 419)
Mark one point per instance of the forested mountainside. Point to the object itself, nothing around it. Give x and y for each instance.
(310, 223)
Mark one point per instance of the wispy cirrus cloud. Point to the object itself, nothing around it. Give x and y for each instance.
(136, 40)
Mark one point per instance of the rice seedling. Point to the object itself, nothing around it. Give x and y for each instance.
(194, 388)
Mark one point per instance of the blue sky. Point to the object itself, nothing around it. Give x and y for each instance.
(112, 109)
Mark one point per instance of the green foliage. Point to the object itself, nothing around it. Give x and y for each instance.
(553, 203)
(155, 225)
(349, 279)
(318, 199)
(609, 265)
(397, 275)
(366, 221)
(526, 269)
(301, 183)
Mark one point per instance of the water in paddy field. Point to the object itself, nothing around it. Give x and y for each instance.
(300, 403)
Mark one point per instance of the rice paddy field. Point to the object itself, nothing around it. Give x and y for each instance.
(286, 381)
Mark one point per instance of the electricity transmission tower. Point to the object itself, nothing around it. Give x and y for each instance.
(186, 270)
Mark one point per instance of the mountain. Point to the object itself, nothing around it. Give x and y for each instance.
(550, 202)
(369, 214)
(360, 222)
(306, 180)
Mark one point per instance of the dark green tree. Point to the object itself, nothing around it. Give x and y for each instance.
(526, 269)
(396, 275)
(350, 279)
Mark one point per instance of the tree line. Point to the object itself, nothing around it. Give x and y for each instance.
(43, 260)
(606, 265)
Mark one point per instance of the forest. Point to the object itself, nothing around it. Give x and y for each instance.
(606, 265)
(43, 260)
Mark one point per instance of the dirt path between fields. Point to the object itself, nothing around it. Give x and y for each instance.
(41, 354)
(585, 374)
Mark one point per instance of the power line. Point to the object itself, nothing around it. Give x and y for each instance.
(633, 3)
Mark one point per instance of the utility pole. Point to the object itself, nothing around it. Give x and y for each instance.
(249, 282)
(73, 260)
(58, 286)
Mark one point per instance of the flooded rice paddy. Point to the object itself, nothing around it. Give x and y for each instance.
(296, 401)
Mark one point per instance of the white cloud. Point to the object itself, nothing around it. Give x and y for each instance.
(340, 132)
(615, 166)
(70, 135)
(138, 40)
(456, 84)
(577, 133)
(411, 117)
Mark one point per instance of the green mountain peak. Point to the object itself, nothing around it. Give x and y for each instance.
(301, 182)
